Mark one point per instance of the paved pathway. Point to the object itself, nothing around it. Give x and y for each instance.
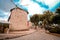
(14, 34)
(38, 35)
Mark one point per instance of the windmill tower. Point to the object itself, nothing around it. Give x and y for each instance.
(18, 19)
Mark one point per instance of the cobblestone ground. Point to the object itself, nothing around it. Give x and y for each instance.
(38, 35)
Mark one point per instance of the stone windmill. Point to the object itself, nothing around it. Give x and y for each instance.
(18, 19)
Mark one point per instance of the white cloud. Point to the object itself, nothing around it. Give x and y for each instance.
(4, 19)
(25, 2)
(7, 14)
(35, 9)
(51, 3)
(40, 0)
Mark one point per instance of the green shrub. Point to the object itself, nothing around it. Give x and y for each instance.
(55, 30)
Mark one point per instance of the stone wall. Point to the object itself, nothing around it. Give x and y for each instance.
(18, 20)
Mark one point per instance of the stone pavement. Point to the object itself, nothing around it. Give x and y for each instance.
(39, 35)
(15, 34)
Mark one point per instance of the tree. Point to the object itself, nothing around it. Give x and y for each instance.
(57, 16)
(41, 17)
(48, 16)
(57, 11)
(35, 19)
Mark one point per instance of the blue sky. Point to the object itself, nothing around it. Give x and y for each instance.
(32, 6)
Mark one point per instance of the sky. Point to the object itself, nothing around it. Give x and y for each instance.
(32, 6)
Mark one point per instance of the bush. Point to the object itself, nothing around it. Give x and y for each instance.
(55, 29)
